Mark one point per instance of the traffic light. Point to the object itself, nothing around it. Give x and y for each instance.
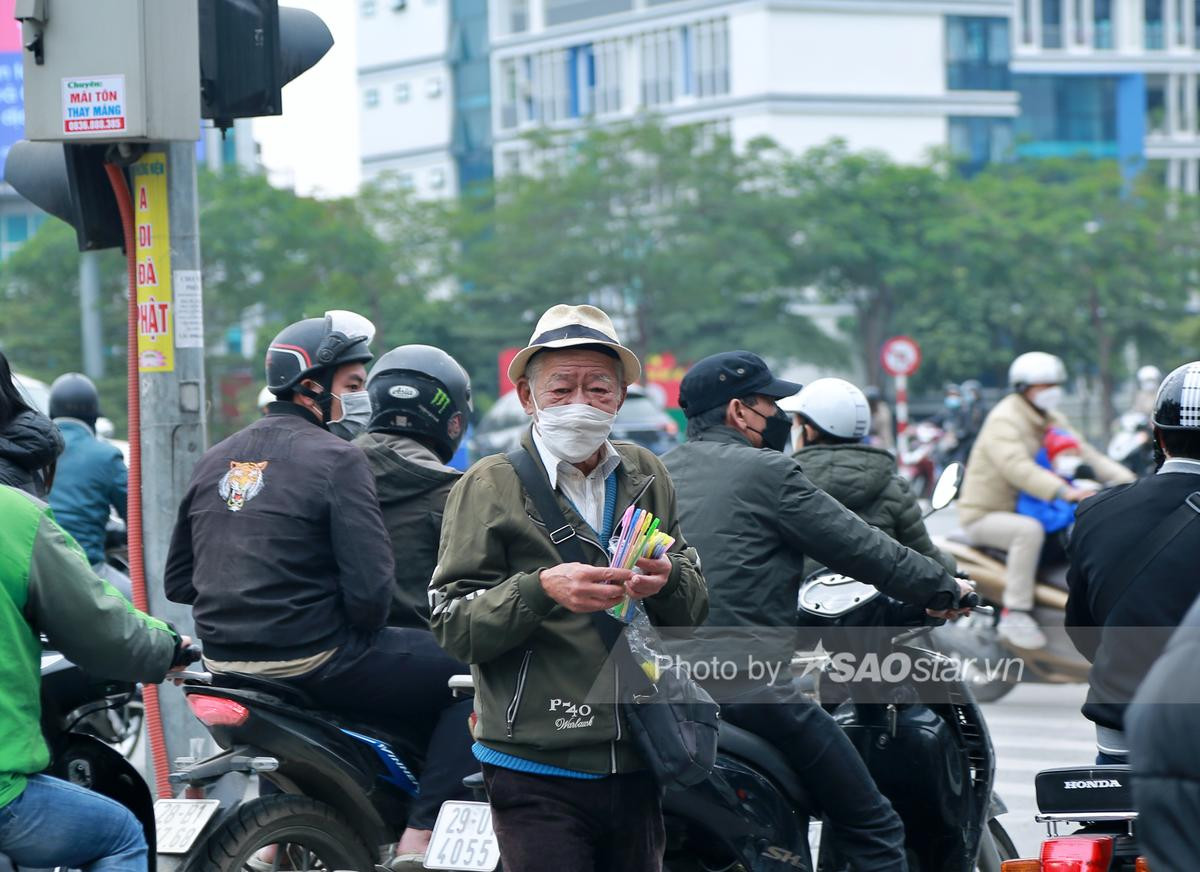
(250, 49)
(69, 182)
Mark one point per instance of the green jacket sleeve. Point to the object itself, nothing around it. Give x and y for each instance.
(816, 524)
(910, 526)
(87, 619)
(478, 610)
(683, 601)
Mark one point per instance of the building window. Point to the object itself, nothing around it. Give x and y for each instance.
(371, 98)
(1052, 24)
(565, 11)
(1102, 24)
(437, 178)
(594, 79)
(1154, 29)
(704, 51)
(659, 68)
(433, 87)
(518, 16)
(401, 92)
(1156, 105)
(977, 142)
(405, 181)
(368, 8)
(509, 92)
(399, 5)
(977, 54)
(1067, 115)
(1026, 23)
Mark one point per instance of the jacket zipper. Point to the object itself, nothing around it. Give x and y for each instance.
(510, 716)
(612, 746)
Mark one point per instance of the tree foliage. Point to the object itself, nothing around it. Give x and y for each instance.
(692, 245)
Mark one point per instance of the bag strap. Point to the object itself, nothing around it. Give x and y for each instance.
(1136, 560)
(562, 534)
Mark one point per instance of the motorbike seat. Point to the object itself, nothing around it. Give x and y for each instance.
(285, 692)
(1083, 790)
(757, 751)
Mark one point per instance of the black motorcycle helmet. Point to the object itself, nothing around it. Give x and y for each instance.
(1177, 406)
(73, 395)
(314, 349)
(423, 392)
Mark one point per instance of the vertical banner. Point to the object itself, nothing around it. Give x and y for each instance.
(156, 341)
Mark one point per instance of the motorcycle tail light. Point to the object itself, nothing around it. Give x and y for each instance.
(215, 711)
(1021, 866)
(1077, 854)
(1141, 865)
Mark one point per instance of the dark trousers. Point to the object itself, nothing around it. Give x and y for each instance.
(549, 824)
(867, 832)
(398, 678)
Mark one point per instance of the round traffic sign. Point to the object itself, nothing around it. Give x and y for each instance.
(900, 356)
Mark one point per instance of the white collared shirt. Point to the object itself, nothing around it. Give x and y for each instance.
(1181, 464)
(586, 493)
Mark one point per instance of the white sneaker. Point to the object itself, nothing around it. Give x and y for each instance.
(1020, 630)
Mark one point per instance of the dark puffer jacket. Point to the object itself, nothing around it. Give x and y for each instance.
(864, 480)
(28, 445)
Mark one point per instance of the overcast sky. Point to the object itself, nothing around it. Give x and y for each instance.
(314, 144)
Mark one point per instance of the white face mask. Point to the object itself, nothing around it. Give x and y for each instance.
(356, 414)
(1066, 465)
(1048, 399)
(575, 431)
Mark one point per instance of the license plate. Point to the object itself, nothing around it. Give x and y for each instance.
(178, 822)
(463, 838)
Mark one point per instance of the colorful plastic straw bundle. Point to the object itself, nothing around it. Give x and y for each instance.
(639, 537)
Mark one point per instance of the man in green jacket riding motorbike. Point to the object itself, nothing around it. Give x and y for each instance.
(48, 587)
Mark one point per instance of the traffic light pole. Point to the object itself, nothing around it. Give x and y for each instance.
(174, 431)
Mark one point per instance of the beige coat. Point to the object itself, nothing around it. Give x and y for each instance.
(1002, 461)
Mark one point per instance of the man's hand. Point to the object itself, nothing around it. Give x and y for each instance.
(964, 588)
(183, 657)
(649, 578)
(1077, 494)
(581, 588)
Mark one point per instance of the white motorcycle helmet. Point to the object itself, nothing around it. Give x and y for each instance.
(1149, 378)
(1036, 368)
(834, 406)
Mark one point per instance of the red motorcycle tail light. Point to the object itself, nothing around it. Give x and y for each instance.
(1077, 854)
(215, 711)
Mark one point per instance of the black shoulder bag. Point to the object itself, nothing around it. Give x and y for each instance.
(673, 720)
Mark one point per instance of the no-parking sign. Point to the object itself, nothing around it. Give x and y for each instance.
(900, 356)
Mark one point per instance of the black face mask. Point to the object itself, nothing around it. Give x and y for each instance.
(777, 431)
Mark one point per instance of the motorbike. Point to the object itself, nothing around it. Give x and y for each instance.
(1096, 804)
(1132, 445)
(71, 701)
(975, 639)
(923, 451)
(342, 788)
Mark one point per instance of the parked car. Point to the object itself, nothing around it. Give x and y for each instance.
(640, 420)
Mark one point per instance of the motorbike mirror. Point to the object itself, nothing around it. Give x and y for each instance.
(946, 489)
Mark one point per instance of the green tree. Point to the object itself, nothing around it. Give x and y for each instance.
(669, 229)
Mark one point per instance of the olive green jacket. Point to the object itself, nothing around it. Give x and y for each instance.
(864, 479)
(544, 685)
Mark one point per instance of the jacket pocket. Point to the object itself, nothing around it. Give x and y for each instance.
(510, 715)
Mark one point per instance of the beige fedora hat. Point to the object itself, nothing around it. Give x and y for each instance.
(564, 326)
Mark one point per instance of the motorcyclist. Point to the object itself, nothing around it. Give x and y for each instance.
(1134, 555)
(970, 419)
(420, 400)
(281, 549)
(29, 441)
(833, 417)
(49, 589)
(1002, 465)
(1148, 378)
(883, 428)
(754, 516)
(91, 478)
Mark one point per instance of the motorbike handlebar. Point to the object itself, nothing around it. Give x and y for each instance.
(186, 655)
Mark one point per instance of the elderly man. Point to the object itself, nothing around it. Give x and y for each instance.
(568, 790)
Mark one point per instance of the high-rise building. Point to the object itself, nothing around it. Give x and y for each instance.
(1112, 78)
(425, 93)
(902, 77)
